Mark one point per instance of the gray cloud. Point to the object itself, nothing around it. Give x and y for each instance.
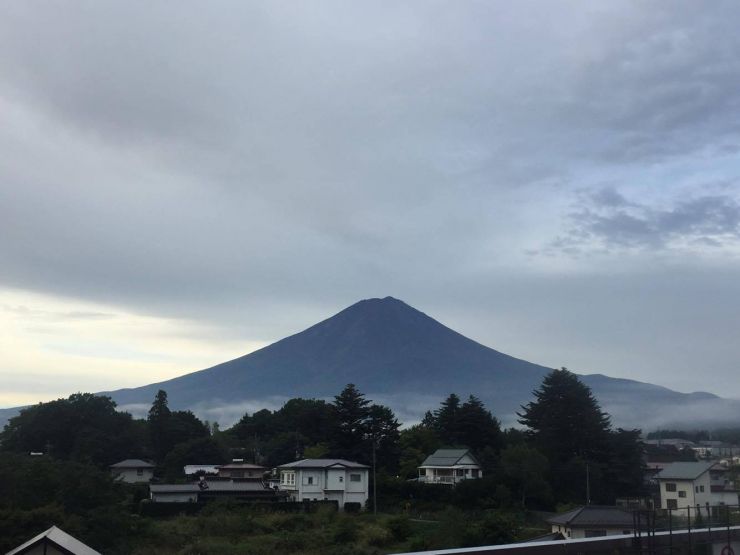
(258, 166)
(606, 220)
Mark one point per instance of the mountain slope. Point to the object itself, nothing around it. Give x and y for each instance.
(401, 356)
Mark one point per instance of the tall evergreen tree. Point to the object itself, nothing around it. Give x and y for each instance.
(565, 420)
(351, 411)
(476, 426)
(382, 428)
(567, 425)
(446, 420)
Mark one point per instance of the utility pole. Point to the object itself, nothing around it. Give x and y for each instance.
(375, 483)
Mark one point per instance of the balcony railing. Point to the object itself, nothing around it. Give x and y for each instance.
(443, 479)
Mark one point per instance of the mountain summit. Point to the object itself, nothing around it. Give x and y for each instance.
(404, 358)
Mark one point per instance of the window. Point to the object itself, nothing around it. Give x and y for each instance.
(696, 489)
(139, 471)
(670, 486)
(672, 503)
(701, 488)
(341, 478)
(594, 533)
(682, 493)
(474, 472)
(355, 477)
(308, 480)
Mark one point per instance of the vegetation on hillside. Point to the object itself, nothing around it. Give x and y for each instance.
(543, 465)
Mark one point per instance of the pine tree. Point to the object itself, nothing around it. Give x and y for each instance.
(476, 426)
(351, 411)
(446, 420)
(565, 420)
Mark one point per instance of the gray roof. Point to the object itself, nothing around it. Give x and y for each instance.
(684, 470)
(241, 466)
(57, 537)
(595, 515)
(215, 485)
(323, 463)
(132, 463)
(447, 457)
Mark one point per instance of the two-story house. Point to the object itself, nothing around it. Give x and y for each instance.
(449, 466)
(686, 484)
(326, 479)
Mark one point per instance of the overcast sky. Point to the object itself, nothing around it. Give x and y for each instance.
(181, 183)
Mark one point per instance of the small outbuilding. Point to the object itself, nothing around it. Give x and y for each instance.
(53, 541)
(593, 521)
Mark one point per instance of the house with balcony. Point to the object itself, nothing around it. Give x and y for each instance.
(325, 479)
(449, 466)
(695, 484)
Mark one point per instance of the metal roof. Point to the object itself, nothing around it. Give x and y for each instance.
(241, 466)
(132, 463)
(58, 537)
(595, 515)
(323, 463)
(684, 470)
(447, 457)
(213, 486)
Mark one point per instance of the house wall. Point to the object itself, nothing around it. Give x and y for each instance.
(335, 479)
(697, 492)
(356, 487)
(131, 475)
(44, 548)
(578, 533)
(311, 484)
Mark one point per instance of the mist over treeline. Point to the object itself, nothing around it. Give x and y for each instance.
(725, 435)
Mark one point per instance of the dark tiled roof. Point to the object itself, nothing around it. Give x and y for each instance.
(213, 486)
(595, 515)
(684, 470)
(446, 457)
(323, 463)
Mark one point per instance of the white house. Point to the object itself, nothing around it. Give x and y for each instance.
(326, 479)
(449, 466)
(692, 484)
(133, 471)
(53, 541)
(593, 521)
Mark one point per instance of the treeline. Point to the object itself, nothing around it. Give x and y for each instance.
(566, 437)
(726, 435)
(565, 440)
